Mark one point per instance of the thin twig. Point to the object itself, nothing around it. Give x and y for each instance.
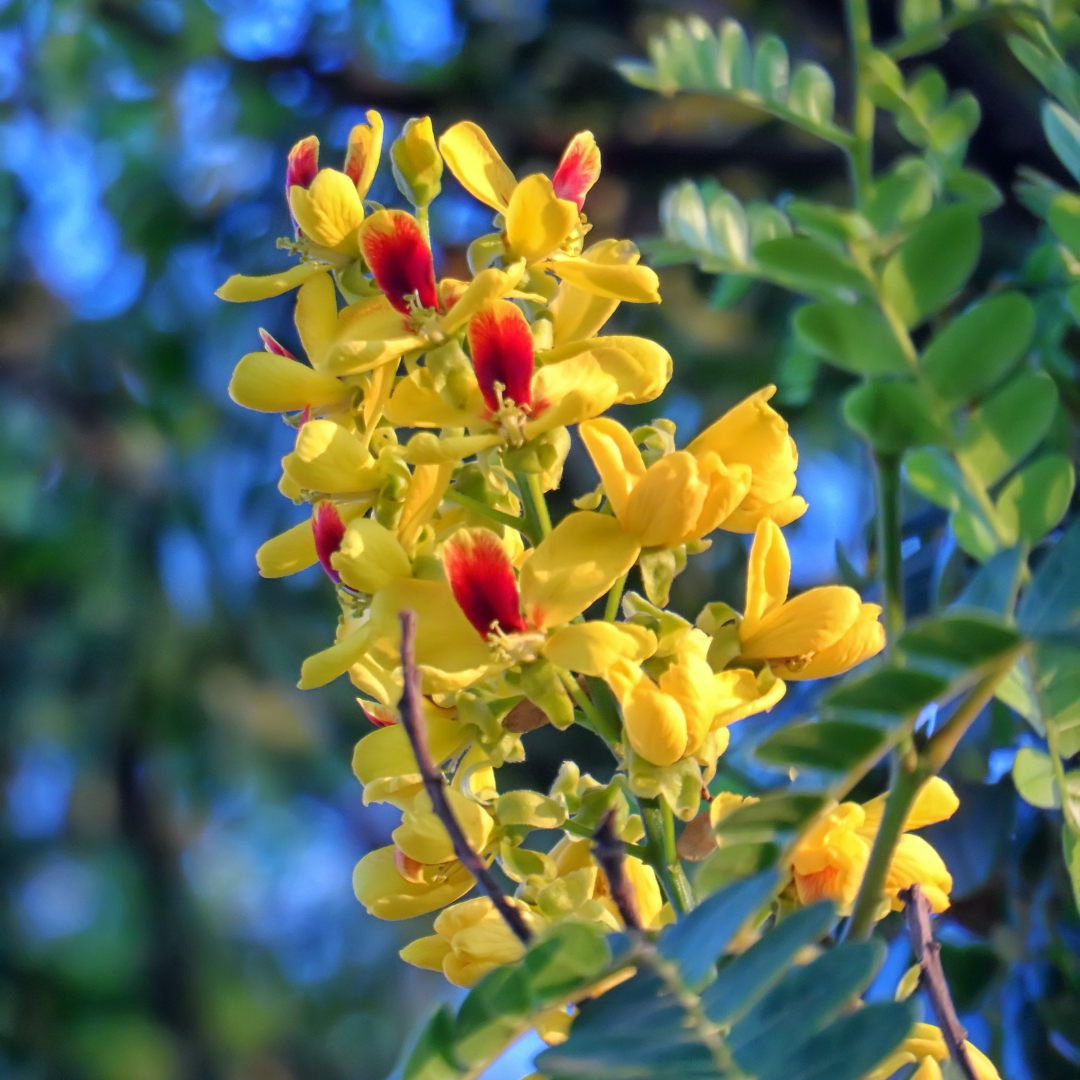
(611, 855)
(928, 954)
(435, 783)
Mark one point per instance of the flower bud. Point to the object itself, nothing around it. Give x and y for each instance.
(417, 163)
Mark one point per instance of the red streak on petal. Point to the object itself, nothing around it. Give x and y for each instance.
(271, 344)
(303, 164)
(379, 715)
(399, 257)
(578, 170)
(502, 352)
(482, 580)
(329, 531)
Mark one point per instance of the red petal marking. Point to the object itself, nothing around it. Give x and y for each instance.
(579, 168)
(356, 153)
(379, 715)
(502, 352)
(303, 164)
(482, 581)
(329, 531)
(395, 249)
(271, 344)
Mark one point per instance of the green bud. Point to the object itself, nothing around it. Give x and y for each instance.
(417, 163)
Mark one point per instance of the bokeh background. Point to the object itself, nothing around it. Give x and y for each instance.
(178, 824)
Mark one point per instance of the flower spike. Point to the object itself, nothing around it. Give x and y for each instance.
(502, 353)
(482, 581)
(394, 246)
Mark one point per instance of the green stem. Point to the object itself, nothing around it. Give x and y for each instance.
(662, 857)
(535, 508)
(540, 501)
(889, 537)
(908, 778)
(598, 720)
(489, 512)
(611, 610)
(936, 35)
(425, 228)
(861, 153)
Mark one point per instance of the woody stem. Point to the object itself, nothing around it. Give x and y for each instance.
(435, 783)
(662, 857)
(610, 853)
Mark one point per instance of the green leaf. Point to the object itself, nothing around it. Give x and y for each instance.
(1008, 425)
(570, 955)
(776, 816)
(1063, 134)
(974, 533)
(978, 190)
(851, 1047)
(697, 940)
(812, 95)
(734, 59)
(1058, 667)
(433, 1056)
(1036, 498)
(933, 264)
(828, 223)
(902, 196)
(892, 416)
(917, 15)
(771, 64)
(765, 223)
(1033, 775)
(742, 982)
(854, 337)
(804, 1003)
(832, 745)
(958, 642)
(994, 585)
(733, 862)
(1064, 220)
(977, 349)
(888, 692)
(491, 1015)
(1071, 847)
(806, 265)
(1051, 604)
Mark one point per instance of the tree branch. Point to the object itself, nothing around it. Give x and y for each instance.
(932, 980)
(610, 853)
(435, 783)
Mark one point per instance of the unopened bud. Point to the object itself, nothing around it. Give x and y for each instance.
(417, 163)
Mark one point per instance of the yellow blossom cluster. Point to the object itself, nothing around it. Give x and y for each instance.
(432, 417)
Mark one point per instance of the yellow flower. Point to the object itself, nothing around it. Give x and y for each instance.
(754, 434)
(417, 164)
(831, 859)
(470, 940)
(821, 632)
(542, 216)
(327, 207)
(925, 1047)
(679, 498)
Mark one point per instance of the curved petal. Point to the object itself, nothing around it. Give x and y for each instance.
(482, 580)
(416, 403)
(330, 459)
(914, 860)
(582, 558)
(501, 346)
(655, 722)
(864, 639)
(591, 648)
(936, 801)
(629, 282)
(426, 491)
(727, 488)
(667, 502)
(811, 622)
(288, 552)
(393, 245)
(578, 314)
(363, 152)
(767, 576)
(240, 288)
(617, 460)
(316, 316)
(488, 285)
(354, 357)
(537, 220)
(329, 210)
(578, 170)
(426, 952)
(302, 165)
(425, 448)
(476, 164)
(267, 382)
(566, 394)
(370, 557)
(387, 895)
(739, 695)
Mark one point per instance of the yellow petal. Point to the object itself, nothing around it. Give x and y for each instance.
(983, 1066)
(784, 512)
(416, 402)
(363, 152)
(329, 211)
(767, 575)
(810, 623)
(317, 316)
(353, 357)
(617, 460)
(739, 695)
(664, 506)
(582, 558)
(426, 491)
(468, 153)
(591, 648)
(727, 488)
(655, 723)
(373, 319)
(578, 314)
(267, 382)
(488, 285)
(327, 665)
(387, 895)
(425, 448)
(936, 801)
(928, 1069)
(288, 553)
(537, 220)
(865, 638)
(650, 901)
(914, 860)
(240, 288)
(387, 751)
(690, 681)
(330, 459)
(640, 367)
(426, 952)
(576, 390)
(615, 281)
(423, 837)
(370, 557)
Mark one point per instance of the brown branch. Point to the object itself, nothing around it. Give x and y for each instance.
(435, 783)
(932, 980)
(610, 853)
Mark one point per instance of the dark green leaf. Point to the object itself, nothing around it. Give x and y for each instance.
(1051, 605)
(1058, 670)
(1071, 849)
(808, 266)
(934, 474)
(733, 862)
(977, 349)
(572, 955)
(491, 1015)
(892, 416)
(833, 745)
(888, 692)
(696, 941)
(1036, 498)
(1065, 220)
(933, 264)
(1063, 135)
(741, 983)
(433, 1056)
(993, 586)
(959, 641)
(854, 337)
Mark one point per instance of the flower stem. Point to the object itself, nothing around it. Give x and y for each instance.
(889, 538)
(662, 857)
(599, 722)
(613, 597)
(425, 226)
(540, 502)
(535, 506)
(861, 152)
(489, 512)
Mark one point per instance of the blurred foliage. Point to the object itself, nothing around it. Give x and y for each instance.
(179, 824)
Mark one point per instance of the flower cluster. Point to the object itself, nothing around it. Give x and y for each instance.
(432, 417)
